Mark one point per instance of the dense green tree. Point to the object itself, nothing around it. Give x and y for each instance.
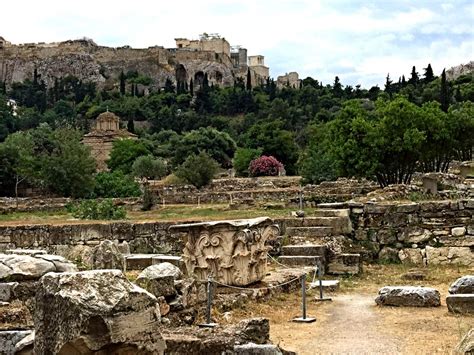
(197, 170)
(273, 140)
(147, 167)
(124, 153)
(218, 145)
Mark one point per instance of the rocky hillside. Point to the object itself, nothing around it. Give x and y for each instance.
(103, 65)
(462, 69)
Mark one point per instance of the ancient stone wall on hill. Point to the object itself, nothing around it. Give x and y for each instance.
(103, 65)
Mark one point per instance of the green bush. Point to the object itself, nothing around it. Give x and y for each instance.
(115, 184)
(93, 209)
(242, 159)
(197, 170)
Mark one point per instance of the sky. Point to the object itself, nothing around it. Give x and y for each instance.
(359, 41)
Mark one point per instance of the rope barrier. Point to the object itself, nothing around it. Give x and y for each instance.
(256, 288)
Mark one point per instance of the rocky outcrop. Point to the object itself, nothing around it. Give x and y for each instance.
(103, 65)
(464, 284)
(408, 296)
(94, 311)
(462, 69)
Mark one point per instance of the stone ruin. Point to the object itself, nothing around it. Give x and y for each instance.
(232, 252)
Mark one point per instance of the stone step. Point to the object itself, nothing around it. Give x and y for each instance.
(461, 303)
(327, 212)
(138, 261)
(314, 221)
(304, 250)
(332, 205)
(309, 231)
(301, 260)
(345, 264)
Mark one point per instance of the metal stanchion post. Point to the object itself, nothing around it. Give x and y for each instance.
(321, 298)
(303, 319)
(208, 323)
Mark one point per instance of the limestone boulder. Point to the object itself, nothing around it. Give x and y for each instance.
(466, 345)
(161, 270)
(95, 311)
(23, 267)
(408, 296)
(107, 255)
(159, 279)
(464, 284)
(411, 256)
(61, 264)
(461, 303)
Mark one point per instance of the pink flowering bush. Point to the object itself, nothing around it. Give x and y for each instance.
(265, 166)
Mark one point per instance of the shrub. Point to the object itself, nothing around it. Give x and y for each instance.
(242, 159)
(93, 209)
(115, 184)
(197, 170)
(265, 166)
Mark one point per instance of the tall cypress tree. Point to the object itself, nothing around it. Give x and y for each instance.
(414, 79)
(388, 85)
(249, 80)
(443, 97)
(429, 75)
(122, 78)
(404, 82)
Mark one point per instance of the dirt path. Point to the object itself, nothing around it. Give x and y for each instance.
(347, 325)
(353, 324)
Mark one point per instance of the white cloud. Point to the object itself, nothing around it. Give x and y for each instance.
(358, 40)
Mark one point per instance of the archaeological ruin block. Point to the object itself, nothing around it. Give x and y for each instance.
(232, 252)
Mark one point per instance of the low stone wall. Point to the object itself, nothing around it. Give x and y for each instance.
(26, 204)
(251, 191)
(142, 237)
(434, 232)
